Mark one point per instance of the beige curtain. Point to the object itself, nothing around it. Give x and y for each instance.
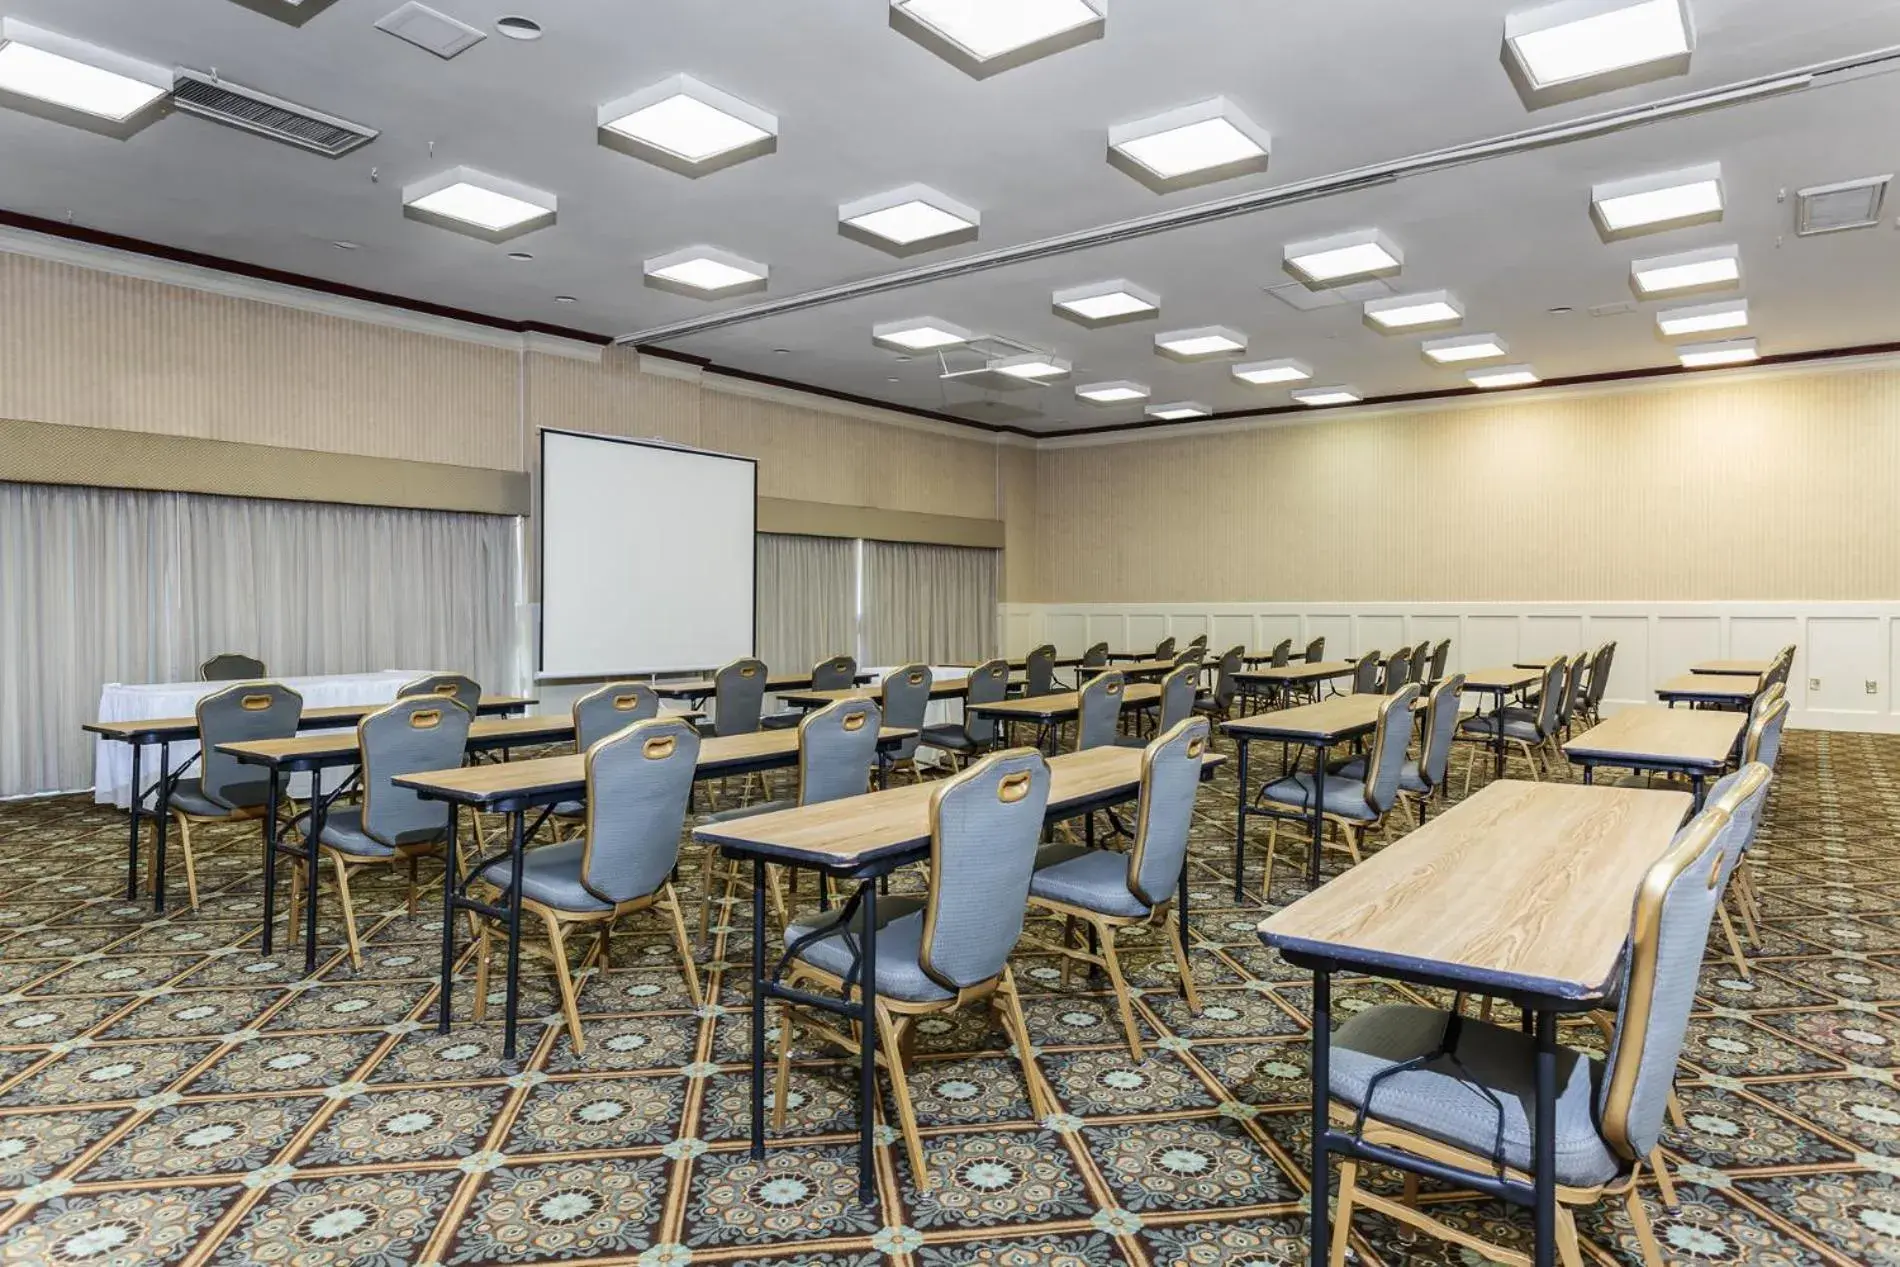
(104, 585)
(807, 607)
(936, 604)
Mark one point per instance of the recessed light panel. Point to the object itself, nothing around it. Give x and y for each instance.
(685, 124)
(1650, 203)
(494, 207)
(920, 334)
(706, 272)
(1675, 323)
(1200, 344)
(1262, 373)
(990, 31)
(1210, 140)
(1502, 376)
(1177, 411)
(1032, 367)
(77, 76)
(1327, 396)
(1116, 393)
(1726, 352)
(1106, 303)
(1576, 40)
(1714, 268)
(1411, 312)
(915, 217)
(1464, 347)
(1364, 253)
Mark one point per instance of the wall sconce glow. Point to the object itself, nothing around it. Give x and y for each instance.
(1575, 40)
(1263, 373)
(471, 201)
(1649, 203)
(1207, 141)
(985, 36)
(1200, 344)
(706, 272)
(920, 334)
(1316, 396)
(1464, 347)
(1106, 303)
(1116, 393)
(1502, 376)
(1032, 367)
(73, 75)
(1726, 352)
(1410, 312)
(913, 218)
(1178, 411)
(1731, 314)
(1362, 253)
(688, 127)
(1717, 267)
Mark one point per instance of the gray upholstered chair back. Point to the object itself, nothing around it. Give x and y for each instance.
(984, 825)
(1555, 675)
(414, 734)
(1096, 657)
(1282, 653)
(989, 683)
(1387, 748)
(1178, 690)
(1441, 725)
(1421, 661)
(1365, 674)
(1567, 687)
(1098, 710)
(1198, 640)
(1440, 654)
(1170, 776)
(1740, 794)
(835, 674)
(1763, 743)
(837, 750)
(1670, 932)
(1764, 700)
(1191, 655)
(231, 666)
(739, 697)
(1226, 685)
(638, 781)
(615, 706)
(459, 687)
(906, 697)
(1040, 668)
(1600, 672)
(255, 710)
(1316, 650)
(1164, 650)
(1398, 670)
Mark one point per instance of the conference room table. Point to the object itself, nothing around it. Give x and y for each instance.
(864, 838)
(940, 689)
(1694, 743)
(1501, 684)
(700, 689)
(1051, 710)
(1733, 666)
(1523, 892)
(166, 731)
(517, 787)
(1717, 690)
(1269, 683)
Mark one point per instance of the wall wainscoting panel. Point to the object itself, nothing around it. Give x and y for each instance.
(1846, 662)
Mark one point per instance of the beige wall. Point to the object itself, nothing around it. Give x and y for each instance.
(1773, 486)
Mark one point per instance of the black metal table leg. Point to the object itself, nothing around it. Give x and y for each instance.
(1181, 919)
(161, 812)
(867, 1053)
(1322, 1037)
(758, 1004)
(1544, 1141)
(1497, 745)
(1240, 822)
(1589, 774)
(444, 1001)
(132, 850)
(517, 848)
(1695, 788)
(270, 856)
(1319, 814)
(313, 831)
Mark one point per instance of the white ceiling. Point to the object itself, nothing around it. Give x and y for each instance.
(863, 109)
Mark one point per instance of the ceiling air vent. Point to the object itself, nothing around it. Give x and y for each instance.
(1853, 204)
(1310, 299)
(222, 101)
(428, 29)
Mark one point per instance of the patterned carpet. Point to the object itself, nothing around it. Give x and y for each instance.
(167, 1095)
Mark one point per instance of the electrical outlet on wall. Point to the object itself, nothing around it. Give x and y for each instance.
(1873, 688)
(1814, 684)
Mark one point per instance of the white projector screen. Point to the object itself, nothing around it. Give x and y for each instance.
(648, 559)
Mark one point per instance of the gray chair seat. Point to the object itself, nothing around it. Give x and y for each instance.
(1438, 1102)
(1410, 780)
(900, 939)
(1094, 879)
(1343, 796)
(1514, 728)
(343, 830)
(949, 737)
(748, 811)
(188, 795)
(787, 720)
(569, 809)
(550, 875)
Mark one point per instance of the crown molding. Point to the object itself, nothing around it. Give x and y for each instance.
(713, 378)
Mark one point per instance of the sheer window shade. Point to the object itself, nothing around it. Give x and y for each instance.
(807, 600)
(105, 585)
(935, 604)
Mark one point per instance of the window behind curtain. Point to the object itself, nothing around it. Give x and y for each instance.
(807, 600)
(935, 604)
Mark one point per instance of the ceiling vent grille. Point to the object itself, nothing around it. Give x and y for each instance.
(1853, 204)
(236, 106)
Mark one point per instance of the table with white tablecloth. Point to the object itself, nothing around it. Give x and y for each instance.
(119, 701)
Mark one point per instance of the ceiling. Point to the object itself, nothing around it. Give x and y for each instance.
(863, 109)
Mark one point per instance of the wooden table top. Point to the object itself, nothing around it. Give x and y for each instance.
(1539, 665)
(948, 688)
(1150, 668)
(1756, 667)
(1061, 703)
(333, 715)
(340, 746)
(1328, 721)
(1318, 671)
(1503, 679)
(1666, 736)
(1523, 887)
(695, 688)
(1722, 686)
(1018, 665)
(848, 833)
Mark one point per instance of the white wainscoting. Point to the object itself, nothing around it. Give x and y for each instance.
(1846, 661)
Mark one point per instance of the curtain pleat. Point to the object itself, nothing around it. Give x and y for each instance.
(935, 604)
(807, 600)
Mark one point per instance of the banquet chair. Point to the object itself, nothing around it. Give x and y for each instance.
(458, 687)
(838, 673)
(1440, 654)
(1422, 778)
(1398, 671)
(1761, 744)
(1365, 673)
(906, 695)
(1039, 668)
(1164, 650)
(600, 713)
(1218, 703)
(1178, 692)
(1526, 731)
(970, 738)
(1316, 650)
(231, 666)
(226, 789)
(1098, 711)
(1282, 653)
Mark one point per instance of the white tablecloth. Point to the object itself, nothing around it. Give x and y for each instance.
(112, 760)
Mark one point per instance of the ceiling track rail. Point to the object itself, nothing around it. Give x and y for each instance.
(1256, 201)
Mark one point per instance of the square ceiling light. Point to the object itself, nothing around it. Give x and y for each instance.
(1119, 392)
(1725, 352)
(1502, 376)
(1031, 367)
(1349, 256)
(1177, 411)
(706, 272)
(1414, 312)
(1106, 303)
(983, 37)
(1464, 347)
(1338, 395)
(1263, 373)
(478, 204)
(920, 334)
(1203, 343)
(1595, 45)
(908, 220)
(1730, 314)
(75, 78)
(1207, 141)
(686, 126)
(1716, 268)
(1647, 204)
